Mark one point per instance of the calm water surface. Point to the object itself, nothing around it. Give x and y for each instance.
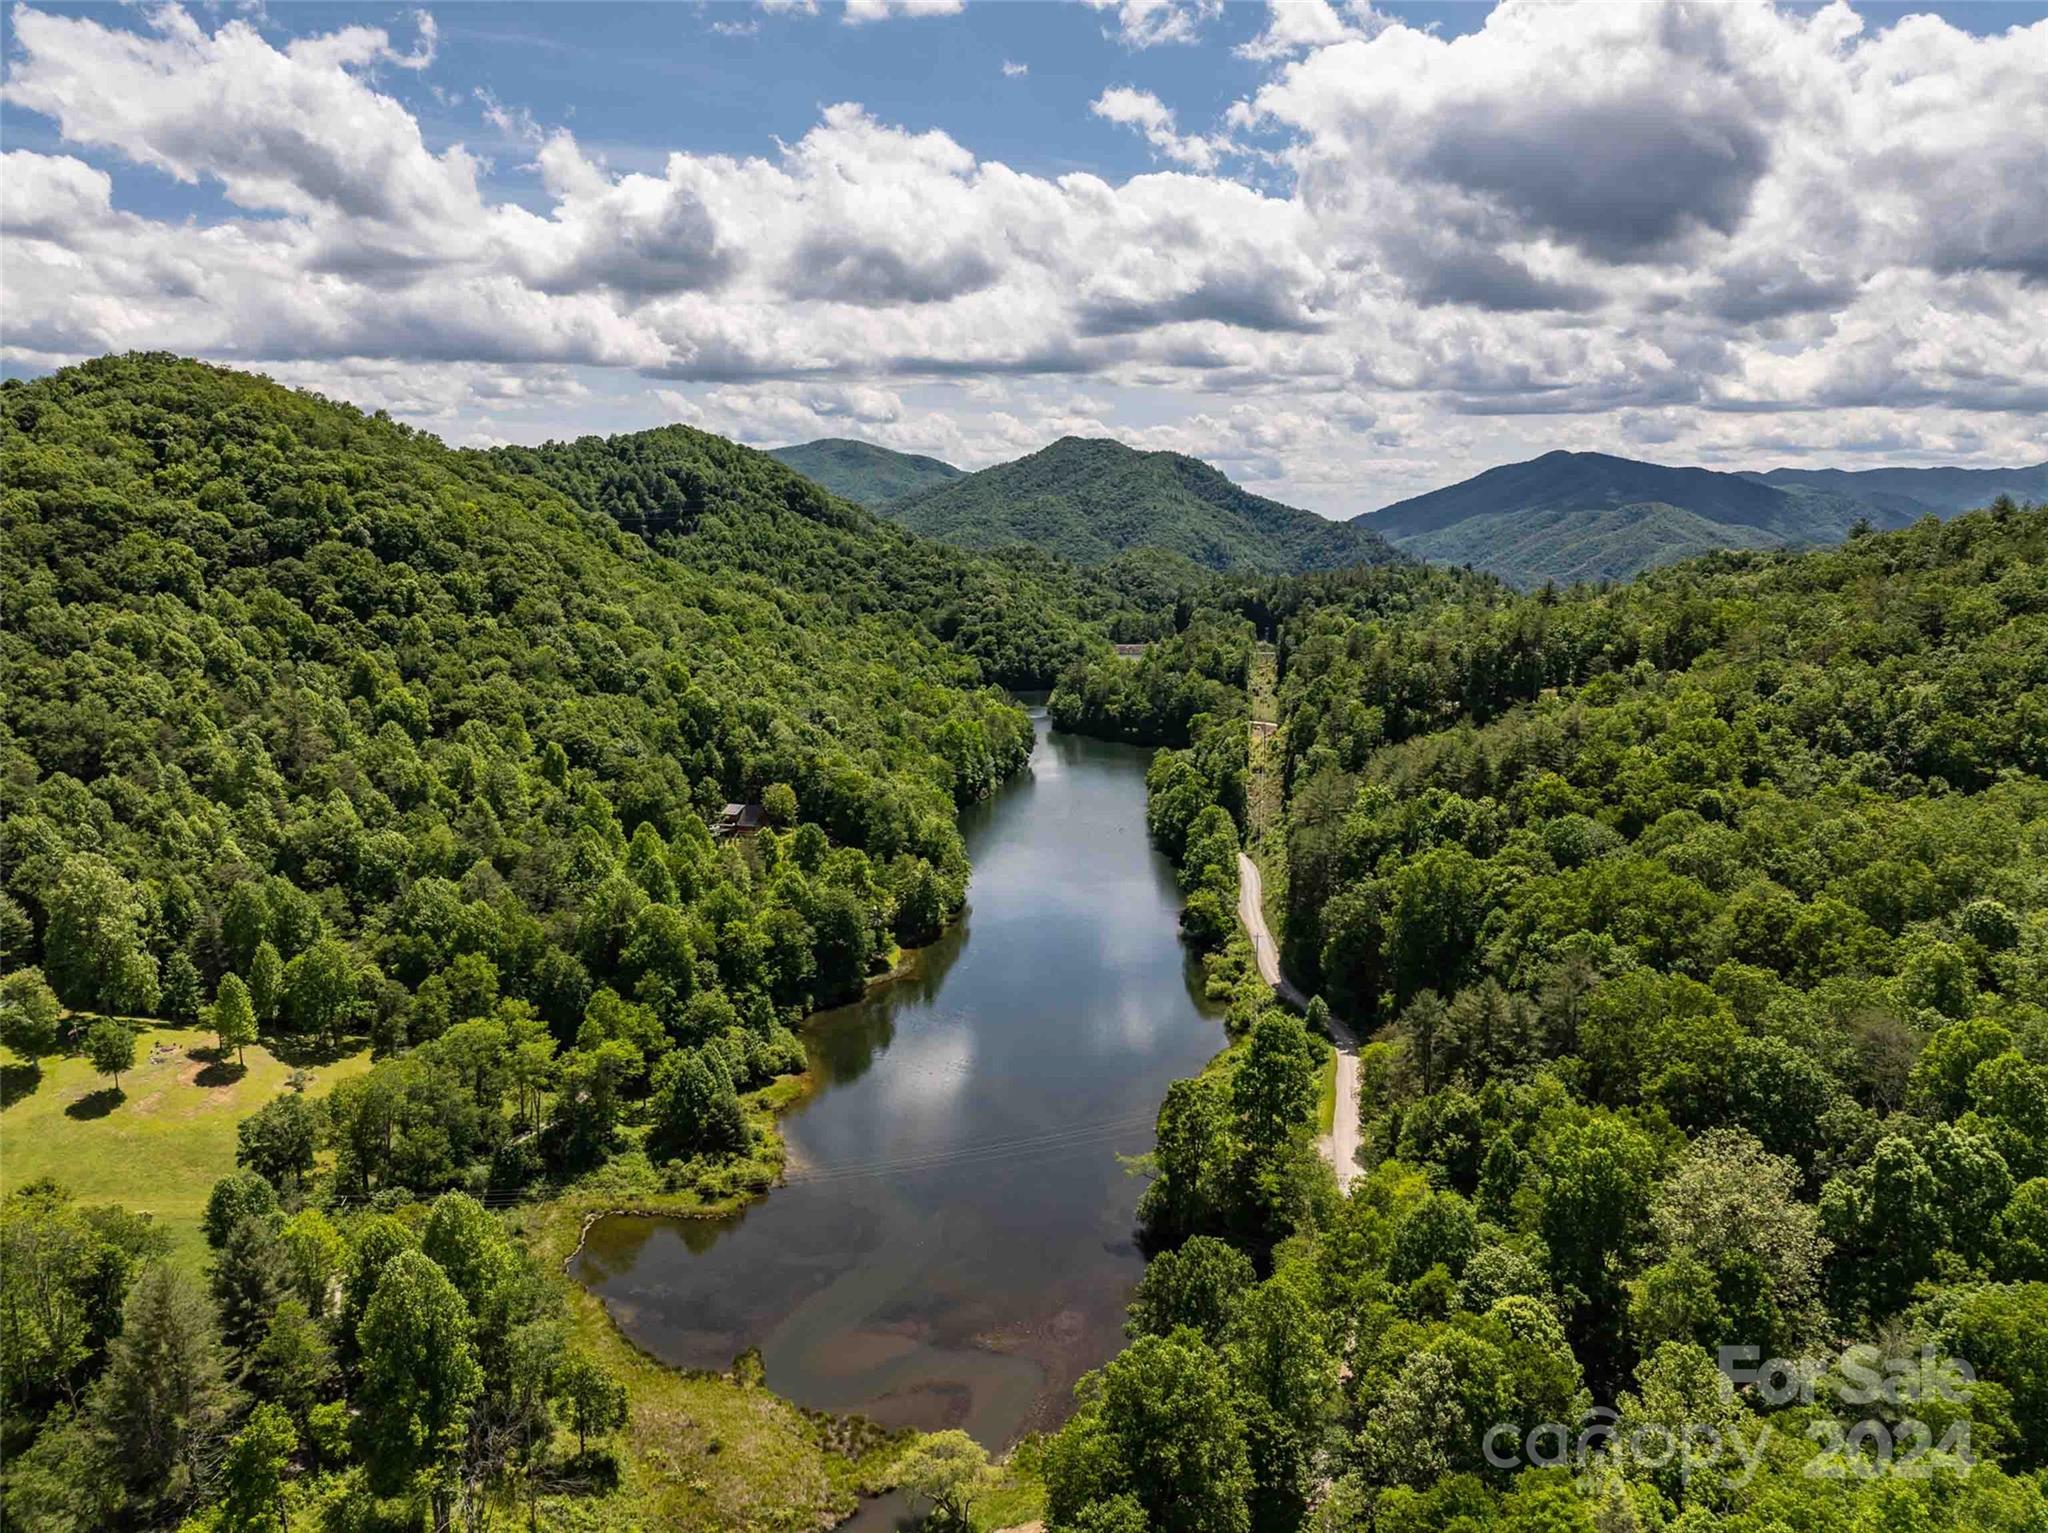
(955, 1246)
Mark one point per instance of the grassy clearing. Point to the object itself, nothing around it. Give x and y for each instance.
(157, 1144)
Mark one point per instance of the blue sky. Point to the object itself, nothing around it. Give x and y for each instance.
(1346, 253)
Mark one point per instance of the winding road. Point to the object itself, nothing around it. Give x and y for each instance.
(1340, 1146)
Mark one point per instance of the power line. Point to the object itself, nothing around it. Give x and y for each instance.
(1073, 1136)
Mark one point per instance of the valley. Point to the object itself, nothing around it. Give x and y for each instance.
(712, 993)
(895, 766)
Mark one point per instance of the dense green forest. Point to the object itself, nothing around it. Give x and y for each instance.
(1586, 516)
(1700, 925)
(1153, 698)
(1090, 500)
(1704, 927)
(315, 731)
(861, 472)
(728, 511)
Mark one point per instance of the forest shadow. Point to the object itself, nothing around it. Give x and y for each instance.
(593, 1471)
(96, 1104)
(305, 1053)
(18, 1081)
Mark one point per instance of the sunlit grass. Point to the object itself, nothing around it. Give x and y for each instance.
(159, 1142)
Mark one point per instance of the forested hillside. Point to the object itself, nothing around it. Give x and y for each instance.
(1704, 926)
(736, 514)
(312, 730)
(1089, 500)
(861, 472)
(1588, 516)
(292, 644)
(1916, 492)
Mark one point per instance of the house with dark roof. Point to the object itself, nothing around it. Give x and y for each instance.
(737, 820)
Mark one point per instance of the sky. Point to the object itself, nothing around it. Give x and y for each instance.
(1347, 253)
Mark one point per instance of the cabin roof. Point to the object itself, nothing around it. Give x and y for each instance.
(740, 819)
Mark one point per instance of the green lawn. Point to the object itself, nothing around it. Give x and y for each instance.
(160, 1143)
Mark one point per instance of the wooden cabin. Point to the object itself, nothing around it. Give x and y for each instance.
(737, 820)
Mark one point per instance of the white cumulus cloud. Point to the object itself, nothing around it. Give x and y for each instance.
(1670, 225)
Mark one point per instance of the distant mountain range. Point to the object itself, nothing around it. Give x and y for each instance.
(861, 472)
(1570, 516)
(1918, 492)
(1091, 499)
(1566, 516)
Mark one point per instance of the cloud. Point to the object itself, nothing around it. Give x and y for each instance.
(638, 235)
(860, 11)
(775, 413)
(1149, 23)
(1152, 117)
(422, 54)
(877, 276)
(1012, 69)
(1577, 225)
(297, 130)
(1297, 26)
(1648, 134)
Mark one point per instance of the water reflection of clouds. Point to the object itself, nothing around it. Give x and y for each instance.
(959, 1198)
(1139, 1023)
(928, 1068)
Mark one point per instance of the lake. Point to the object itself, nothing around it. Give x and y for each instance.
(955, 1245)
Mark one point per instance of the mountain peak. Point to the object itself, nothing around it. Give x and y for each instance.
(1092, 498)
(1568, 516)
(863, 472)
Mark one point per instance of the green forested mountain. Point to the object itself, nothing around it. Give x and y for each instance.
(1582, 516)
(1700, 928)
(1918, 492)
(737, 514)
(861, 472)
(313, 729)
(1586, 544)
(279, 671)
(1089, 500)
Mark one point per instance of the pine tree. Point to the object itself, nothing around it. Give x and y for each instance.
(163, 1402)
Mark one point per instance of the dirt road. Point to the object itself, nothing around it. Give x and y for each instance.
(1340, 1146)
